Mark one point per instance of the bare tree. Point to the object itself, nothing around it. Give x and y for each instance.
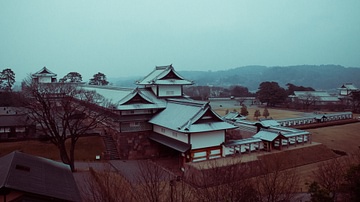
(217, 182)
(330, 175)
(152, 182)
(63, 112)
(308, 100)
(107, 186)
(274, 182)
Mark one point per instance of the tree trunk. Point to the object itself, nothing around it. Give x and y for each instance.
(72, 156)
(64, 155)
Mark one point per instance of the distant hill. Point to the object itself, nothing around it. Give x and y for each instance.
(323, 77)
(319, 77)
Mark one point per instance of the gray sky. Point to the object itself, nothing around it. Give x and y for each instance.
(129, 38)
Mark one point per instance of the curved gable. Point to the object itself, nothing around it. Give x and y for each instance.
(135, 97)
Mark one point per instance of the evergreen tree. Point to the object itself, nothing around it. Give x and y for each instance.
(266, 112)
(244, 110)
(271, 93)
(72, 77)
(99, 79)
(257, 114)
(7, 79)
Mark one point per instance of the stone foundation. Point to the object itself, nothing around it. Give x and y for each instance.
(135, 145)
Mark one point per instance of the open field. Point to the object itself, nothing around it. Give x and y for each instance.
(86, 148)
(274, 113)
(342, 137)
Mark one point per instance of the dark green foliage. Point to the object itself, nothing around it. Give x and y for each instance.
(244, 110)
(266, 112)
(240, 91)
(72, 77)
(292, 88)
(257, 114)
(271, 93)
(319, 194)
(99, 79)
(7, 79)
(355, 98)
(352, 183)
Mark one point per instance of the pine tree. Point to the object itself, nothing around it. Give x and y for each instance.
(266, 112)
(257, 114)
(244, 110)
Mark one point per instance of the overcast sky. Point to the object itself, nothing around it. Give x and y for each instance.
(129, 38)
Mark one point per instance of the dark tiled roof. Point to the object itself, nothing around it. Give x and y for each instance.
(36, 175)
(44, 71)
(14, 120)
(185, 116)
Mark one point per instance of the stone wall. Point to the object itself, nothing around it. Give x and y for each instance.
(135, 145)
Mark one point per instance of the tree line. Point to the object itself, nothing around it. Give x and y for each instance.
(7, 79)
(98, 79)
(273, 95)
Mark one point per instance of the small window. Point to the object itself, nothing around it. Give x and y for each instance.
(23, 168)
(134, 124)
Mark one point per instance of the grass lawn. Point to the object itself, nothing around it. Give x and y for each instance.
(86, 148)
(274, 113)
(343, 137)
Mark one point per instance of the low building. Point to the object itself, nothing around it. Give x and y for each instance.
(25, 177)
(44, 76)
(193, 125)
(234, 116)
(314, 98)
(15, 124)
(346, 89)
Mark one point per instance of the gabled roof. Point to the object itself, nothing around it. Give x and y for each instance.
(189, 117)
(141, 98)
(348, 86)
(268, 123)
(14, 120)
(38, 175)
(164, 75)
(44, 72)
(233, 116)
(128, 98)
(267, 136)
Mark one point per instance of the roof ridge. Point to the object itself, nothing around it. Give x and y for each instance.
(190, 102)
(165, 68)
(10, 166)
(145, 96)
(202, 111)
